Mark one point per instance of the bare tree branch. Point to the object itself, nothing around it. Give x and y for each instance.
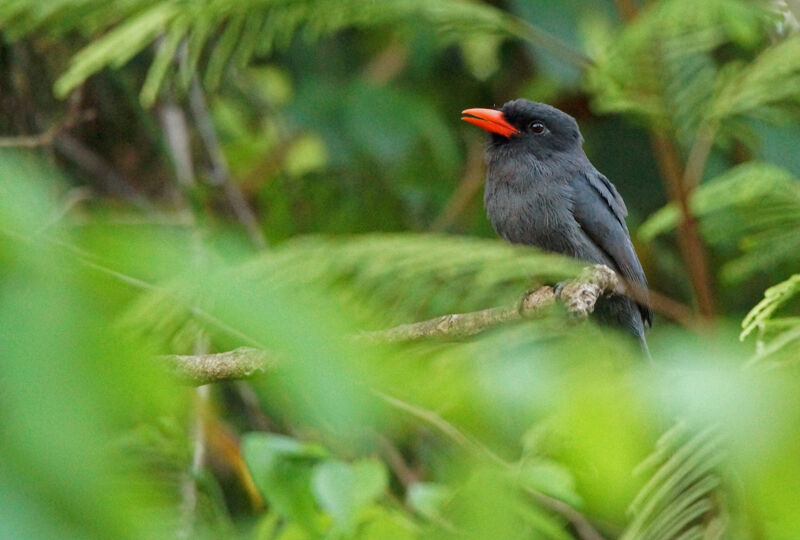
(583, 527)
(578, 296)
(458, 325)
(203, 369)
(692, 248)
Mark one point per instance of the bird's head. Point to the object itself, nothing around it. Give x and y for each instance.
(526, 126)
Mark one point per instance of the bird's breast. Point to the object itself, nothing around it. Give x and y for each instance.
(533, 214)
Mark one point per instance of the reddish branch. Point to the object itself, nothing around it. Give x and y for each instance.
(679, 188)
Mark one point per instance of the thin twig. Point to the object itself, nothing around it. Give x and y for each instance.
(397, 463)
(176, 135)
(112, 181)
(448, 429)
(57, 136)
(583, 527)
(72, 118)
(189, 491)
(467, 189)
(581, 524)
(219, 165)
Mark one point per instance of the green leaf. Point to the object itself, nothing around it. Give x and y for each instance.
(231, 33)
(661, 66)
(428, 498)
(751, 211)
(771, 79)
(774, 298)
(344, 490)
(281, 468)
(551, 478)
(745, 186)
(164, 58)
(381, 524)
(118, 46)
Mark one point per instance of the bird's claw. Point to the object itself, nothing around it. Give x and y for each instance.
(558, 288)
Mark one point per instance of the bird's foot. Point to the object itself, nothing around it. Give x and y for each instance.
(535, 299)
(559, 287)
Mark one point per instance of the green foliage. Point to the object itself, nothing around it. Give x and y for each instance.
(770, 80)
(282, 470)
(528, 431)
(345, 490)
(71, 388)
(230, 33)
(775, 334)
(677, 83)
(734, 217)
(300, 481)
(388, 278)
(678, 500)
(681, 86)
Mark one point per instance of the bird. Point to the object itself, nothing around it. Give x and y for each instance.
(541, 190)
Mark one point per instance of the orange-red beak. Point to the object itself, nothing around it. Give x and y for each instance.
(490, 120)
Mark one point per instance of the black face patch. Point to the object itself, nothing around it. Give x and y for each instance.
(560, 133)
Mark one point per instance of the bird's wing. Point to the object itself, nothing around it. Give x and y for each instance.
(601, 212)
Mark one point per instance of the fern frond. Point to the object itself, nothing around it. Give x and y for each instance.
(119, 46)
(231, 33)
(679, 496)
(661, 66)
(776, 334)
(393, 278)
(416, 274)
(752, 208)
(771, 79)
(741, 186)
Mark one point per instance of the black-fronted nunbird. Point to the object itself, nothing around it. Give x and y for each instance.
(542, 190)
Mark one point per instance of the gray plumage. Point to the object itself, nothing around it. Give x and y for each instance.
(542, 190)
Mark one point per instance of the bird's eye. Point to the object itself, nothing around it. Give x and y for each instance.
(536, 126)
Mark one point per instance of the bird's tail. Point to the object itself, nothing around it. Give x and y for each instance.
(645, 348)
